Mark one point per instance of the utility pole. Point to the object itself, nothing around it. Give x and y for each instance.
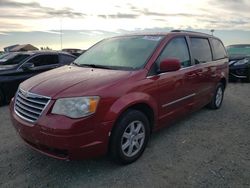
(212, 31)
(61, 32)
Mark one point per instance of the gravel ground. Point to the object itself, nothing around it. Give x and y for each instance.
(206, 149)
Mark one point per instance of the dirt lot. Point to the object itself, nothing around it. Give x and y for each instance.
(206, 149)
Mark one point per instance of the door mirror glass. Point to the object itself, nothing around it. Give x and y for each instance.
(27, 66)
(169, 65)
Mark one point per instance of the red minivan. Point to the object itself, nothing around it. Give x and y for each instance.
(112, 97)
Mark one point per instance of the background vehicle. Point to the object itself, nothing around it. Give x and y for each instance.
(74, 51)
(239, 62)
(3, 55)
(16, 67)
(114, 95)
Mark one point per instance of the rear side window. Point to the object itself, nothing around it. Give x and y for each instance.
(219, 50)
(176, 48)
(43, 60)
(201, 50)
(66, 59)
(13, 59)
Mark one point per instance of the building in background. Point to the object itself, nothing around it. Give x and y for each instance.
(9, 48)
(20, 48)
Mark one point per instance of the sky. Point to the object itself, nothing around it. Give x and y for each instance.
(80, 24)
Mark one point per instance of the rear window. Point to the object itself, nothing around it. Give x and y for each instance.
(219, 50)
(13, 59)
(201, 50)
(66, 59)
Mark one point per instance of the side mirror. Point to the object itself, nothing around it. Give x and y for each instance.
(169, 65)
(27, 66)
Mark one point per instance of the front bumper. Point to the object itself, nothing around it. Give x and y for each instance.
(64, 138)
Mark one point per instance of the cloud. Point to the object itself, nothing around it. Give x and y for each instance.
(3, 33)
(9, 25)
(53, 32)
(240, 6)
(34, 10)
(14, 4)
(66, 12)
(119, 16)
(146, 12)
(123, 14)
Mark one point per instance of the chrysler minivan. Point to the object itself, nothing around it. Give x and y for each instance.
(112, 97)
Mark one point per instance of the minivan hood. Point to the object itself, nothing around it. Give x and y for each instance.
(72, 81)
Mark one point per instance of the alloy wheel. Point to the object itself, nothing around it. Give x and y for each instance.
(133, 138)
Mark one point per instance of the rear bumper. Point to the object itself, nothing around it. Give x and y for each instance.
(64, 144)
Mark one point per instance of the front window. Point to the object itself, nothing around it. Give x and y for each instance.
(176, 48)
(130, 52)
(238, 50)
(43, 60)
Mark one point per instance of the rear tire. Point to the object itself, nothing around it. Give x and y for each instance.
(129, 137)
(217, 99)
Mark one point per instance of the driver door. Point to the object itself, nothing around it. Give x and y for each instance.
(176, 89)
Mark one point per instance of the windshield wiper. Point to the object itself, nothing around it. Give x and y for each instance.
(74, 63)
(95, 66)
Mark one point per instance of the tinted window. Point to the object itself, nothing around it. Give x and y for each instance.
(239, 50)
(13, 59)
(43, 60)
(201, 50)
(219, 50)
(176, 48)
(66, 59)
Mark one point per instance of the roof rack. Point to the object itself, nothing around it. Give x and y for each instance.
(177, 30)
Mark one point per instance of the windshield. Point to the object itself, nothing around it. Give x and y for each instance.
(3, 55)
(239, 50)
(13, 59)
(120, 53)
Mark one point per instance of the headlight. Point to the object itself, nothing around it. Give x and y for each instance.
(76, 107)
(242, 62)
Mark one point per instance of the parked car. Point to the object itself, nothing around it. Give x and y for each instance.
(3, 55)
(74, 51)
(239, 62)
(16, 67)
(114, 95)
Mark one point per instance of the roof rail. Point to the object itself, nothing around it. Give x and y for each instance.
(177, 30)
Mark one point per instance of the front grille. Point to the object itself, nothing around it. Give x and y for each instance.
(29, 106)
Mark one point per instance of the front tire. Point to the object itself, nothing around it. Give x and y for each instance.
(217, 99)
(129, 137)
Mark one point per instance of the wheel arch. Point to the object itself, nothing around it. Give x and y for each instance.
(138, 101)
(224, 82)
(144, 104)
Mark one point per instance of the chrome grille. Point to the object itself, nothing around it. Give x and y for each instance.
(29, 106)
